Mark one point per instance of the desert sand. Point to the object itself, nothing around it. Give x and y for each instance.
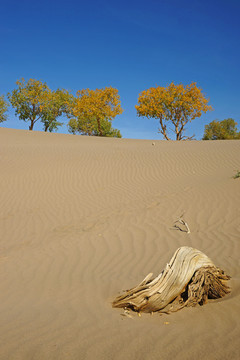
(83, 218)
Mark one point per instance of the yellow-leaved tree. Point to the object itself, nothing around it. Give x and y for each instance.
(93, 111)
(175, 104)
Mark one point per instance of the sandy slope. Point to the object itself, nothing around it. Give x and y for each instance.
(83, 218)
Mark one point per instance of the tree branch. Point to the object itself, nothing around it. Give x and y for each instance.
(164, 129)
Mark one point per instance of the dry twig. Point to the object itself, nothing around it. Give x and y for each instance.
(183, 222)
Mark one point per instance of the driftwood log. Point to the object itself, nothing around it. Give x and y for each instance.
(190, 278)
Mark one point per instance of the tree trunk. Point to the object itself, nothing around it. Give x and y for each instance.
(33, 118)
(178, 131)
(31, 125)
(99, 127)
(163, 130)
(189, 279)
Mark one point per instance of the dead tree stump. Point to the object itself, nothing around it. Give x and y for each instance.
(190, 278)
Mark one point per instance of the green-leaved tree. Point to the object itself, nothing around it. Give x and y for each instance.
(3, 109)
(56, 104)
(28, 100)
(221, 130)
(89, 126)
(34, 101)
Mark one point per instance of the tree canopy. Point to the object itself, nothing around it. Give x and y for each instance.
(93, 111)
(28, 100)
(55, 105)
(175, 104)
(89, 126)
(221, 130)
(3, 109)
(33, 100)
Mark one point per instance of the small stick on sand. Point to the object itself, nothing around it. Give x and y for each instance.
(183, 222)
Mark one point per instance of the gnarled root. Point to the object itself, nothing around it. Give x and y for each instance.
(189, 279)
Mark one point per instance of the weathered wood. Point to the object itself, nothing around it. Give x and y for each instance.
(189, 279)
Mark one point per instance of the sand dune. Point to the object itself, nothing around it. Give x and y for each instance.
(84, 218)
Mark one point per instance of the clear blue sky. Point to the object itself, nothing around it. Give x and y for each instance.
(130, 45)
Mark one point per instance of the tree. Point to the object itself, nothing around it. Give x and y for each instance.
(28, 100)
(89, 126)
(177, 104)
(221, 130)
(3, 109)
(93, 112)
(56, 104)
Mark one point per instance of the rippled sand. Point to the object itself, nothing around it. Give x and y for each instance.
(84, 218)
